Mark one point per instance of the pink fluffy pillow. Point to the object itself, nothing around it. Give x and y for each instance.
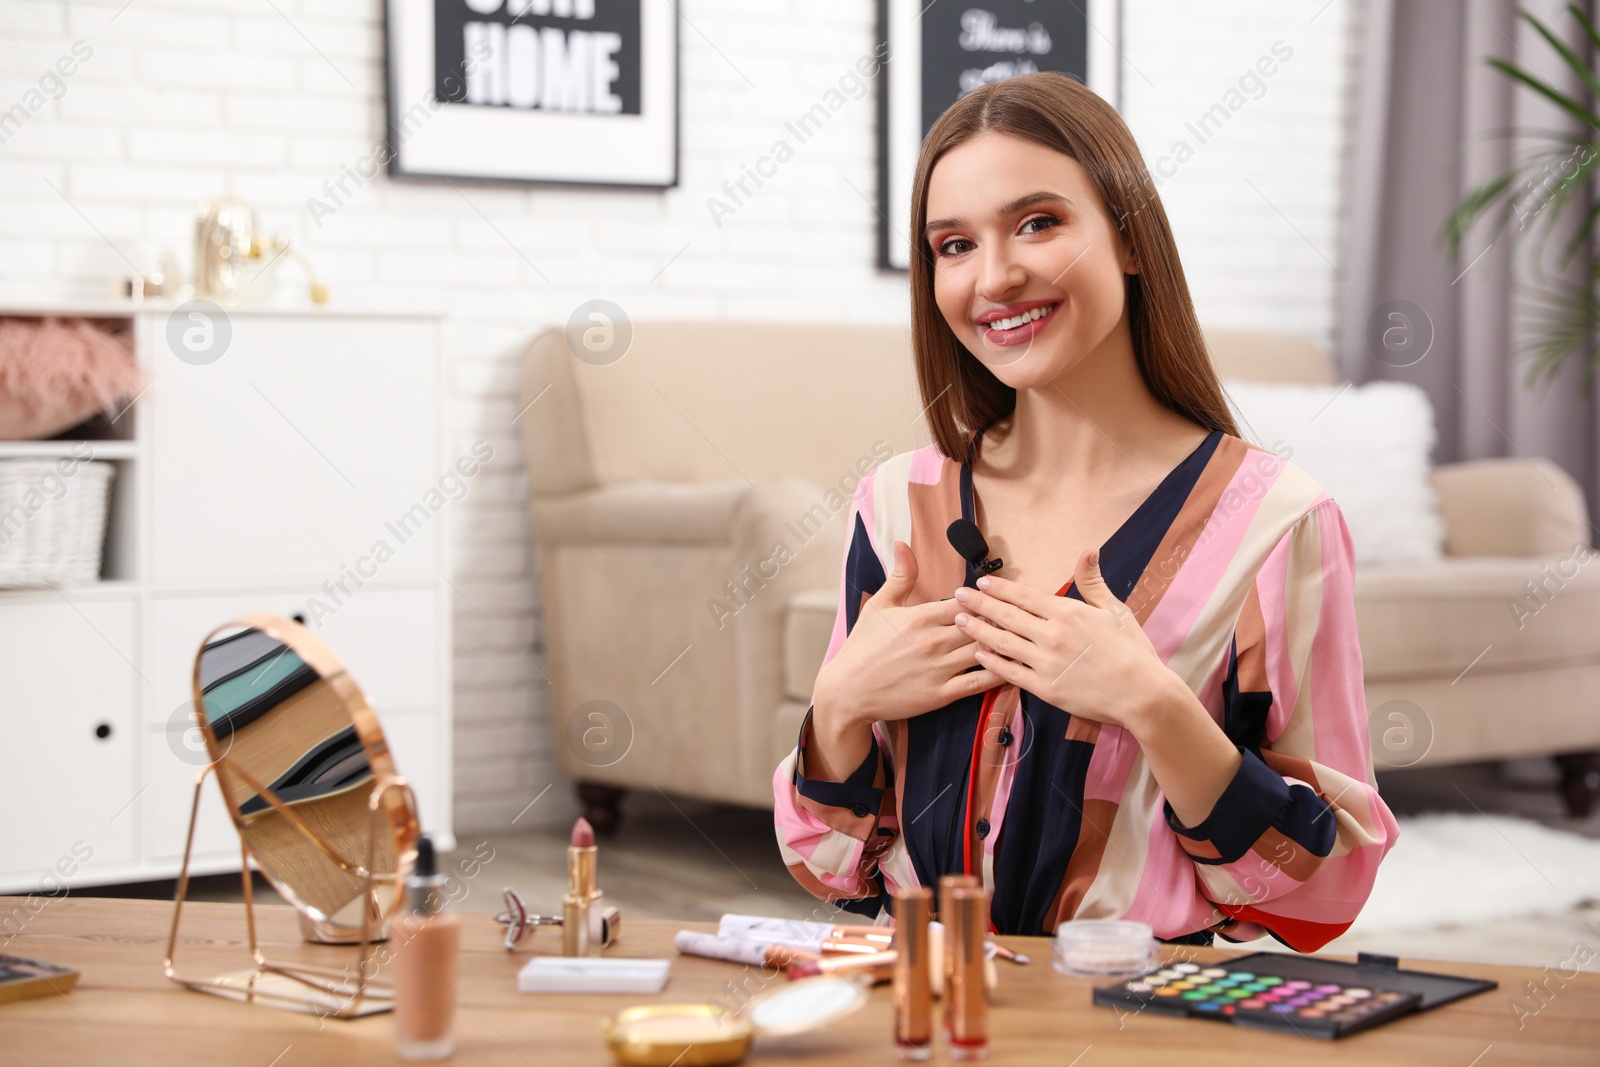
(56, 373)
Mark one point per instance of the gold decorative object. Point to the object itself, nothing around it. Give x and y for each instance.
(302, 765)
(230, 253)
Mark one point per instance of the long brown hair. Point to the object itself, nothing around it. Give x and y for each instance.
(962, 397)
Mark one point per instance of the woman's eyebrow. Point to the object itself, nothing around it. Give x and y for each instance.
(1005, 209)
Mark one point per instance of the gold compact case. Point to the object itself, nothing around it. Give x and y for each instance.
(689, 1035)
(706, 1035)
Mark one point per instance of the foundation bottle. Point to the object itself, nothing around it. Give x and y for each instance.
(427, 942)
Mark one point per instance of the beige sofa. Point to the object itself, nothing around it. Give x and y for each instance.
(688, 505)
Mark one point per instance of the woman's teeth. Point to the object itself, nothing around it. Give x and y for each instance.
(1018, 320)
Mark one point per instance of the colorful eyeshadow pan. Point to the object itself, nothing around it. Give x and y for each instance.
(1314, 1009)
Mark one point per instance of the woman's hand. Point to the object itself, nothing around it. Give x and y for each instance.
(1090, 659)
(899, 660)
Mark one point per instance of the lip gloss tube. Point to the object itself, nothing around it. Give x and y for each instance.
(967, 996)
(948, 884)
(913, 977)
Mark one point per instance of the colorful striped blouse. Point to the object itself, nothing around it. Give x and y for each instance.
(1241, 571)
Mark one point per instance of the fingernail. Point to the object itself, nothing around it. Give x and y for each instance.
(983, 583)
(963, 594)
(981, 654)
(961, 618)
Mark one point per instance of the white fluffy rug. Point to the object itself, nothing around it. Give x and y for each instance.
(1454, 870)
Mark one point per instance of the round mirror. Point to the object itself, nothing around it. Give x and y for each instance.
(306, 775)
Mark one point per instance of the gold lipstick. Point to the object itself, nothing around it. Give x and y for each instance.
(583, 908)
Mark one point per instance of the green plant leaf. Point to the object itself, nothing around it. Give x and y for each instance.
(1588, 27)
(1561, 100)
(1577, 65)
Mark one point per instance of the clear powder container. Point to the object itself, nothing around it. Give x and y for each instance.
(1105, 948)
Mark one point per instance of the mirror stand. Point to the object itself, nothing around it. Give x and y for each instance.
(321, 991)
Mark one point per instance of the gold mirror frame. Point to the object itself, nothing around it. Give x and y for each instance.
(318, 990)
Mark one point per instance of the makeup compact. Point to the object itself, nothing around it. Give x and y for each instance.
(706, 1035)
(1298, 994)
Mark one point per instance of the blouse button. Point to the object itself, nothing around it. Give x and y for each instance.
(1005, 736)
(858, 810)
(983, 828)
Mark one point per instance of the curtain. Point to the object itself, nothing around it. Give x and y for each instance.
(1431, 121)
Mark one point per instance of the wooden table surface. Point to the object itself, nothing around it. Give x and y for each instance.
(125, 1012)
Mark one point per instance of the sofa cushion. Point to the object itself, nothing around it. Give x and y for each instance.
(1369, 445)
(709, 401)
(1434, 619)
(807, 628)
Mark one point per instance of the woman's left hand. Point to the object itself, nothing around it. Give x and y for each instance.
(1089, 658)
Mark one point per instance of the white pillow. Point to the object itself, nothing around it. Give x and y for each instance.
(1369, 445)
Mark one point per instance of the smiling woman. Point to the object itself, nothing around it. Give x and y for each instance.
(1154, 710)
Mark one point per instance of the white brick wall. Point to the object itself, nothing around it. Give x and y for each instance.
(184, 99)
(1256, 210)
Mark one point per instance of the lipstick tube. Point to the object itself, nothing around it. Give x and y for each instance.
(583, 908)
(966, 995)
(913, 975)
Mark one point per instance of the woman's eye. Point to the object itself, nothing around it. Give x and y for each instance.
(944, 249)
(1050, 220)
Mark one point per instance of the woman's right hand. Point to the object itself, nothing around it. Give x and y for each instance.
(898, 661)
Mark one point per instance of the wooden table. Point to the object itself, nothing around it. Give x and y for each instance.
(125, 1012)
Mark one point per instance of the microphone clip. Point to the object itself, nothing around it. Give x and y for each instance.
(968, 541)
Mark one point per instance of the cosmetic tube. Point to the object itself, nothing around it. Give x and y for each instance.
(427, 944)
(738, 950)
(583, 908)
(966, 995)
(913, 977)
(879, 966)
(948, 884)
(813, 936)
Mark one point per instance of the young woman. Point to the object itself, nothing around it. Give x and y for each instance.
(1154, 709)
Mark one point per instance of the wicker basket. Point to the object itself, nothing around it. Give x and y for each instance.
(52, 521)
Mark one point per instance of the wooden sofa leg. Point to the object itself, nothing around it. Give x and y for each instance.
(1580, 782)
(602, 806)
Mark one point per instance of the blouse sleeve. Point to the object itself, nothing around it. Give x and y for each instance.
(832, 835)
(1293, 844)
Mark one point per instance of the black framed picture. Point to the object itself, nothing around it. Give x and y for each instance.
(937, 53)
(563, 92)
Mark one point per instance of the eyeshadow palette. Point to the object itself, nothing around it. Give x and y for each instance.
(1305, 995)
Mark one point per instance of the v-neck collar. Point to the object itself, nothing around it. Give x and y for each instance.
(1127, 551)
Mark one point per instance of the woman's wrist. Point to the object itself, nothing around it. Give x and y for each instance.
(840, 738)
(1164, 697)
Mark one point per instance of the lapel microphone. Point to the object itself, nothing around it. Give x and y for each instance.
(967, 539)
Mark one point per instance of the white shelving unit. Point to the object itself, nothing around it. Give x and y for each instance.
(261, 481)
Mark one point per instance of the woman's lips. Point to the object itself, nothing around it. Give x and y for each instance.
(1020, 334)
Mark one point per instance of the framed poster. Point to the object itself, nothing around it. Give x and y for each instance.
(937, 53)
(564, 92)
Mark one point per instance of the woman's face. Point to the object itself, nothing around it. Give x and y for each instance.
(1016, 228)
